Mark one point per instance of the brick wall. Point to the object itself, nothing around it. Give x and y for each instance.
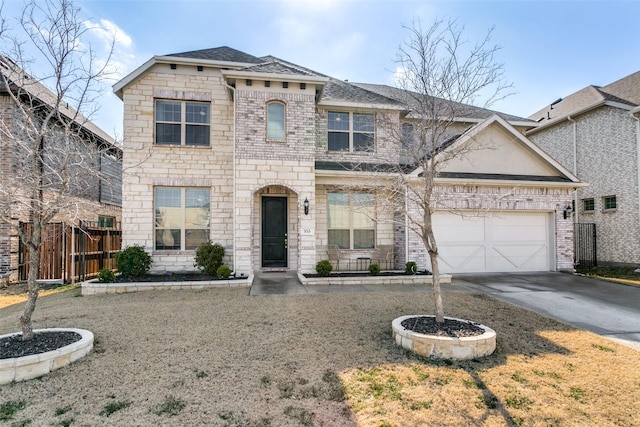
(607, 159)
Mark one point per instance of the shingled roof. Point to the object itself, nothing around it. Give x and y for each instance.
(624, 91)
(222, 53)
(410, 99)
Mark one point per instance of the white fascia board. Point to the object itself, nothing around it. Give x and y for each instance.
(579, 112)
(119, 86)
(346, 178)
(274, 76)
(359, 105)
(510, 183)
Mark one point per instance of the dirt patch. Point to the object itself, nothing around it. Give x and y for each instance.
(219, 357)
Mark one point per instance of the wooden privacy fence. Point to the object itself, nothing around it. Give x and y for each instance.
(72, 253)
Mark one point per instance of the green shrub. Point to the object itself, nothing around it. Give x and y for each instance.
(324, 267)
(374, 269)
(133, 261)
(106, 276)
(209, 258)
(411, 267)
(223, 272)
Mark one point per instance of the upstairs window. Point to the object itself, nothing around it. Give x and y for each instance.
(609, 203)
(275, 120)
(588, 205)
(182, 123)
(350, 131)
(350, 220)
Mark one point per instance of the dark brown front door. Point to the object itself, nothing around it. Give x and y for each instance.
(274, 231)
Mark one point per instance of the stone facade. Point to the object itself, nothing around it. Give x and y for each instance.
(242, 167)
(606, 157)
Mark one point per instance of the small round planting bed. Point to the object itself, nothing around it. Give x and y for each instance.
(476, 340)
(38, 364)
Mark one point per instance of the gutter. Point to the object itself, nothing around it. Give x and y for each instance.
(575, 168)
(633, 113)
(233, 92)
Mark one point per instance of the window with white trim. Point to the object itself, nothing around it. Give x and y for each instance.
(588, 205)
(181, 217)
(609, 203)
(350, 220)
(350, 131)
(182, 123)
(275, 120)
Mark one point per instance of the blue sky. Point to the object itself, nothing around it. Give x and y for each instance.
(549, 48)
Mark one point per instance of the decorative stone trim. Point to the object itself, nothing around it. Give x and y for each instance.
(370, 280)
(36, 365)
(93, 287)
(444, 347)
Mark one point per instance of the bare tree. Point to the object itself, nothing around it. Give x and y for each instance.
(441, 79)
(53, 150)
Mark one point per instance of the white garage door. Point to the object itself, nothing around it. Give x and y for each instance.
(496, 242)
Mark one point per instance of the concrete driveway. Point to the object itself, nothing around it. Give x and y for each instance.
(608, 309)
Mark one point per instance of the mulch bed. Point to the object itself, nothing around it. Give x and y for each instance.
(450, 328)
(42, 342)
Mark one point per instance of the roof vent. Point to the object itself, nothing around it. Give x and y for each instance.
(267, 83)
(285, 85)
(173, 66)
(200, 68)
(249, 82)
(303, 86)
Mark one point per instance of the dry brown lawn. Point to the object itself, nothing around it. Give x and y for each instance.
(222, 358)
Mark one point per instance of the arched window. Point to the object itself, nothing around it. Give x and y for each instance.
(275, 120)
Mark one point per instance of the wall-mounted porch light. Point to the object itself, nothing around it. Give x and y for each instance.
(306, 206)
(567, 211)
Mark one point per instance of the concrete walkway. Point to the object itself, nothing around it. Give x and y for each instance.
(278, 283)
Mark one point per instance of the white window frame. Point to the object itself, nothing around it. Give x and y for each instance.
(182, 226)
(270, 130)
(353, 209)
(183, 122)
(604, 203)
(588, 199)
(351, 131)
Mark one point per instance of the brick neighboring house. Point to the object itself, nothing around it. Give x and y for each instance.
(250, 152)
(595, 133)
(101, 203)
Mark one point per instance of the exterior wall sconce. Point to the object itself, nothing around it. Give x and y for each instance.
(306, 206)
(567, 211)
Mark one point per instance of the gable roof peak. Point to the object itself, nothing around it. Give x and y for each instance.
(221, 53)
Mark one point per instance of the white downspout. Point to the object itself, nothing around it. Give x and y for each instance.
(233, 91)
(633, 113)
(576, 214)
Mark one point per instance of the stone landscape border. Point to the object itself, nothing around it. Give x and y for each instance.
(444, 347)
(94, 287)
(33, 366)
(403, 279)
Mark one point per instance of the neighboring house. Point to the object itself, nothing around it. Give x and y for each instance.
(255, 153)
(595, 133)
(100, 204)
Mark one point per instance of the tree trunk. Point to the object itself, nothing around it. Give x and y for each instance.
(437, 294)
(32, 283)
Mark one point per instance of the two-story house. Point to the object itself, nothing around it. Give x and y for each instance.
(255, 153)
(595, 133)
(97, 200)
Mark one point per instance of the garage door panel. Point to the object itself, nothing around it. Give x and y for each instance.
(498, 242)
(517, 258)
(461, 258)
